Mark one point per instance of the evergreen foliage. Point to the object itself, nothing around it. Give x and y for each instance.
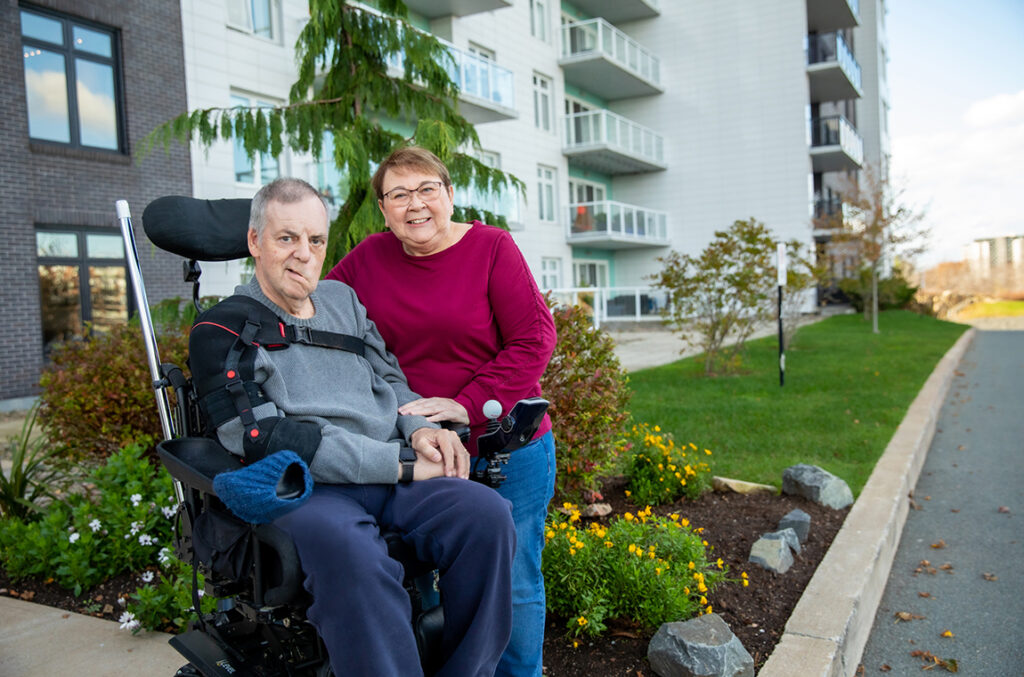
(346, 92)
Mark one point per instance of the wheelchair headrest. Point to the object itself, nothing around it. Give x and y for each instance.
(208, 230)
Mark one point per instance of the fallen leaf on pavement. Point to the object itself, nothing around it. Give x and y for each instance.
(924, 594)
(938, 545)
(885, 668)
(907, 616)
(947, 567)
(948, 634)
(1004, 509)
(989, 577)
(933, 661)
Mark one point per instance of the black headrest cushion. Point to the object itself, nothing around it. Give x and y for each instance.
(208, 230)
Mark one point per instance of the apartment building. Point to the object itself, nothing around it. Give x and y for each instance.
(639, 126)
(85, 83)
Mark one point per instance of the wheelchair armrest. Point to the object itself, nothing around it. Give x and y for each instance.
(291, 571)
(195, 461)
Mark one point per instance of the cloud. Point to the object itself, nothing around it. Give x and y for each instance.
(968, 176)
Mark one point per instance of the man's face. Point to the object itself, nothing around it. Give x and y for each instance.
(289, 255)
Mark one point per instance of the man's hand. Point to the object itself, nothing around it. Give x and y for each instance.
(440, 453)
(436, 409)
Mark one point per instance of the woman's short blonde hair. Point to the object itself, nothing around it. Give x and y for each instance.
(409, 157)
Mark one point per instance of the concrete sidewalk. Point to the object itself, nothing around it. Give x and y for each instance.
(825, 635)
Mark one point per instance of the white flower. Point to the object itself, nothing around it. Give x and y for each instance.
(121, 601)
(135, 499)
(168, 512)
(136, 528)
(201, 592)
(128, 621)
(147, 576)
(164, 556)
(95, 525)
(74, 537)
(146, 539)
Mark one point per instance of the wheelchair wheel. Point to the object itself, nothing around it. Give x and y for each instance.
(188, 670)
(325, 670)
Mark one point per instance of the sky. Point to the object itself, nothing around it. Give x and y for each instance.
(956, 83)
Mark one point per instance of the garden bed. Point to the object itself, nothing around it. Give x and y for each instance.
(732, 522)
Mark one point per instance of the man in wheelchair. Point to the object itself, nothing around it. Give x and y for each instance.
(321, 384)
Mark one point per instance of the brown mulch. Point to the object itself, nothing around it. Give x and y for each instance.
(732, 522)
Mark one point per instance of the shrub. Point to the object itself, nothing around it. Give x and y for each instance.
(163, 600)
(586, 386)
(722, 294)
(646, 569)
(97, 395)
(117, 524)
(659, 472)
(894, 292)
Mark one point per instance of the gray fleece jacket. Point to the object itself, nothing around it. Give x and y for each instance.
(353, 399)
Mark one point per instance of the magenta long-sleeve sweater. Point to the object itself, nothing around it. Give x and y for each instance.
(467, 323)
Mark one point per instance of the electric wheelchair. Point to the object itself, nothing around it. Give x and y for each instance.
(259, 627)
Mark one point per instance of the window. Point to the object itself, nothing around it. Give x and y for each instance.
(72, 81)
(550, 273)
(259, 17)
(590, 273)
(542, 102)
(585, 191)
(546, 193)
(262, 169)
(82, 278)
(539, 19)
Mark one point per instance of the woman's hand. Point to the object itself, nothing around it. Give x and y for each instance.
(436, 409)
(441, 453)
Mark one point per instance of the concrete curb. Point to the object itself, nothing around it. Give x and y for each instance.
(826, 634)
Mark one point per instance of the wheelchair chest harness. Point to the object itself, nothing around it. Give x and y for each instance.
(226, 394)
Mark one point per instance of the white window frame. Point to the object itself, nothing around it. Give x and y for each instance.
(240, 17)
(237, 98)
(539, 19)
(601, 270)
(550, 272)
(547, 193)
(543, 117)
(600, 191)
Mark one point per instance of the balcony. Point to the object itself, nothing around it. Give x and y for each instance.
(829, 207)
(835, 145)
(611, 144)
(432, 9)
(830, 15)
(486, 90)
(601, 59)
(833, 73)
(606, 224)
(620, 10)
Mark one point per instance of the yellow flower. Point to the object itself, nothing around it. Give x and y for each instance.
(568, 506)
(703, 599)
(575, 643)
(632, 547)
(686, 591)
(691, 565)
(572, 552)
(745, 582)
(707, 451)
(708, 609)
(719, 562)
(657, 428)
(628, 493)
(657, 570)
(674, 517)
(628, 517)
(609, 544)
(582, 621)
(744, 574)
(549, 534)
(685, 522)
(693, 446)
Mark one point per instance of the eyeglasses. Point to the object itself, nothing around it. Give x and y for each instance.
(428, 192)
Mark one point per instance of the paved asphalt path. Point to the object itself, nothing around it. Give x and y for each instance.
(970, 496)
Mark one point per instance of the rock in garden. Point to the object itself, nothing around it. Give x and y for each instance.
(797, 520)
(789, 536)
(816, 484)
(700, 647)
(597, 510)
(772, 552)
(724, 484)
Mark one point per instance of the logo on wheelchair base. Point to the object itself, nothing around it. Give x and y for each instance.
(226, 666)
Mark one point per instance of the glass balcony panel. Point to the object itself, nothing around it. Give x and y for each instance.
(583, 37)
(613, 225)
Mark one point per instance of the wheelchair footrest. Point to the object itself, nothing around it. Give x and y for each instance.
(203, 652)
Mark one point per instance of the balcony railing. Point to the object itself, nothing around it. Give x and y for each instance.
(835, 132)
(831, 48)
(479, 80)
(613, 225)
(611, 143)
(636, 72)
(615, 304)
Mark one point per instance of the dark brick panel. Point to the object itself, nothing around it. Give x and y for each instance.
(42, 183)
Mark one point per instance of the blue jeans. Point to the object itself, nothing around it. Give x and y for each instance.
(530, 486)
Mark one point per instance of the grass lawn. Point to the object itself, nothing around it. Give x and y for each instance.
(846, 392)
(993, 309)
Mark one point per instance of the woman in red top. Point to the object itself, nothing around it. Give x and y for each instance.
(460, 309)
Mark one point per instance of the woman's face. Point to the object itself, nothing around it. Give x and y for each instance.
(417, 207)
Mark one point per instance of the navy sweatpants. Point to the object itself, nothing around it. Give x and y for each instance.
(359, 606)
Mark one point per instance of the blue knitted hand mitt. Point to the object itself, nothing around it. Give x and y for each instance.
(271, 487)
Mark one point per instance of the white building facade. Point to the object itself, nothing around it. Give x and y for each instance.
(638, 126)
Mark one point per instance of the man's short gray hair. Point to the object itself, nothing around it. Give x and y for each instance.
(284, 190)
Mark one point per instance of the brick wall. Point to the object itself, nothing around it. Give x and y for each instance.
(44, 184)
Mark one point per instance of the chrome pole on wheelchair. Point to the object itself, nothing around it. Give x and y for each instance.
(124, 219)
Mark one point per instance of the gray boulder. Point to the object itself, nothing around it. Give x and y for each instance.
(787, 535)
(772, 552)
(816, 484)
(700, 647)
(798, 521)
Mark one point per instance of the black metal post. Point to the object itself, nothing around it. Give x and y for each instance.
(782, 348)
